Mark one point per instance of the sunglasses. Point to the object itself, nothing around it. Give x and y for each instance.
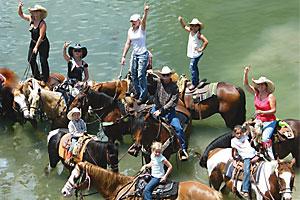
(77, 50)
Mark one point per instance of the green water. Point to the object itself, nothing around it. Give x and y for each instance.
(263, 34)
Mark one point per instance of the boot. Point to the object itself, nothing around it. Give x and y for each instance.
(68, 158)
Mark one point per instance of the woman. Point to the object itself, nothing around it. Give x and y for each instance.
(265, 107)
(139, 57)
(77, 67)
(196, 44)
(39, 42)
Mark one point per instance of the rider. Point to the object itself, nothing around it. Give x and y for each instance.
(77, 128)
(165, 100)
(241, 148)
(158, 174)
(265, 107)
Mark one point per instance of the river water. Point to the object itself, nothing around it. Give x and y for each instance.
(263, 34)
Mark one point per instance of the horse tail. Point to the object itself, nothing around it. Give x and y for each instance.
(222, 141)
(241, 114)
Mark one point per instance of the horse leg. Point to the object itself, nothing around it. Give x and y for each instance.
(229, 119)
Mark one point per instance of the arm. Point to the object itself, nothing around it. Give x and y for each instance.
(86, 74)
(20, 12)
(173, 101)
(248, 87)
(66, 56)
(146, 166)
(43, 28)
(84, 126)
(126, 48)
(170, 167)
(204, 40)
(272, 101)
(234, 154)
(71, 127)
(183, 24)
(144, 19)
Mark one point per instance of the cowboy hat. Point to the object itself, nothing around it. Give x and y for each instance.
(195, 21)
(39, 8)
(70, 114)
(165, 70)
(77, 46)
(134, 17)
(262, 79)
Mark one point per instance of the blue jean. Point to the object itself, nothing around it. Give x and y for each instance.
(194, 70)
(150, 187)
(268, 130)
(138, 69)
(175, 123)
(246, 180)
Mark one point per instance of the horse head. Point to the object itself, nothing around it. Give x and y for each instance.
(285, 178)
(77, 181)
(81, 100)
(34, 98)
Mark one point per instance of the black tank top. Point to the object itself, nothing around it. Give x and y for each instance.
(35, 32)
(76, 72)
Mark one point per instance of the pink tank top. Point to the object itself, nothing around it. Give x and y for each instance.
(263, 105)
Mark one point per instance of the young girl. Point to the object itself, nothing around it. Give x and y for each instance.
(77, 128)
(157, 169)
(77, 67)
(196, 44)
(241, 148)
(39, 42)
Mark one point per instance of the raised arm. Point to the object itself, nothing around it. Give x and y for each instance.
(248, 87)
(144, 19)
(125, 50)
(20, 12)
(66, 56)
(183, 24)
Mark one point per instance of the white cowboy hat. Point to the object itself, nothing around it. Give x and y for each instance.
(195, 21)
(165, 70)
(74, 110)
(39, 8)
(135, 17)
(262, 79)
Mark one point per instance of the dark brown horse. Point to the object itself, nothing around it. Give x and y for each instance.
(228, 100)
(114, 186)
(275, 180)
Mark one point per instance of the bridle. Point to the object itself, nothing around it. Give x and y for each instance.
(287, 188)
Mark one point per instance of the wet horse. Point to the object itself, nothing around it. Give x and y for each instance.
(275, 180)
(228, 100)
(96, 152)
(114, 186)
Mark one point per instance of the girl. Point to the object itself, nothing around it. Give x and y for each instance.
(39, 42)
(157, 169)
(196, 45)
(76, 66)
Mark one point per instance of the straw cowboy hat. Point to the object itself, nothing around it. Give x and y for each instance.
(39, 8)
(165, 70)
(77, 46)
(195, 21)
(70, 114)
(262, 79)
(134, 17)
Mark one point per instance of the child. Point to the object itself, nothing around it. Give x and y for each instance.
(241, 146)
(157, 169)
(77, 128)
(196, 44)
(76, 65)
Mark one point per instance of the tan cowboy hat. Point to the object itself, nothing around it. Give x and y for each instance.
(166, 70)
(39, 8)
(74, 110)
(262, 79)
(195, 21)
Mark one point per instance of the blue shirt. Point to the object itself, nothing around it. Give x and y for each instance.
(157, 169)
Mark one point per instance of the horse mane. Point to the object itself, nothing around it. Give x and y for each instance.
(223, 141)
(108, 180)
(11, 77)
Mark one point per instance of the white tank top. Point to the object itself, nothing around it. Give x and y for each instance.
(138, 40)
(194, 42)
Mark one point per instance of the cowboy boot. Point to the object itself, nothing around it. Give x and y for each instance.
(68, 158)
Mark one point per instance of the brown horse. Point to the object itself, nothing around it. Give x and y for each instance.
(114, 186)
(228, 100)
(116, 89)
(275, 180)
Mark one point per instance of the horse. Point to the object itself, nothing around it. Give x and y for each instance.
(227, 99)
(117, 186)
(116, 89)
(275, 178)
(281, 149)
(96, 152)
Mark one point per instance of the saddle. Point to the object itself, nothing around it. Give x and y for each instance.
(283, 132)
(79, 148)
(162, 191)
(68, 91)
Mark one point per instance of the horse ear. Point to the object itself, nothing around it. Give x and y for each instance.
(86, 89)
(293, 161)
